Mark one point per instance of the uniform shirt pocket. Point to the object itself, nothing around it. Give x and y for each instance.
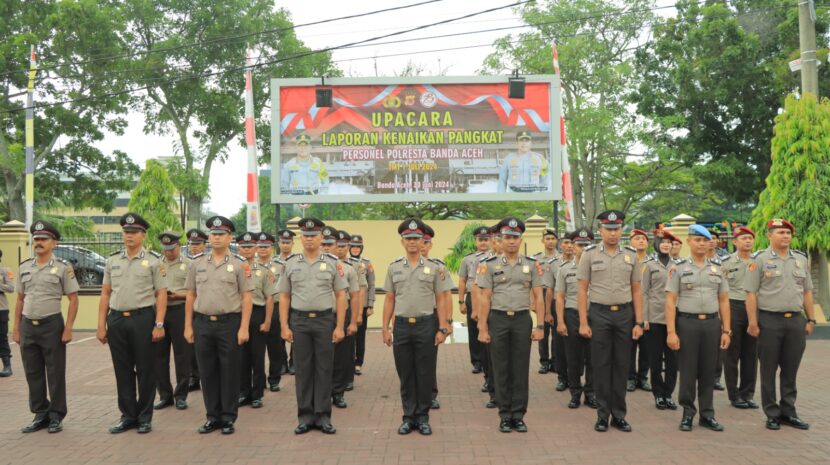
(715, 278)
(800, 277)
(598, 266)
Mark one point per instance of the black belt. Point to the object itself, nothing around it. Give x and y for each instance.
(257, 307)
(311, 314)
(613, 308)
(130, 313)
(43, 320)
(174, 306)
(781, 314)
(222, 317)
(413, 319)
(508, 312)
(697, 316)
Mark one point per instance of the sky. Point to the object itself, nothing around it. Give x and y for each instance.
(227, 183)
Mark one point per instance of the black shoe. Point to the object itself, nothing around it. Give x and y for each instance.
(244, 401)
(574, 403)
(405, 428)
(208, 427)
(544, 369)
(686, 424)
(181, 404)
(491, 403)
(358, 370)
(719, 386)
(601, 425)
(504, 425)
(328, 428)
(302, 428)
(339, 401)
(435, 404)
(55, 426)
(621, 424)
(424, 429)
(591, 401)
(477, 368)
(162, 404)
(644, 385)
(7, 368)
(740, 404)
(35, 425)
(291, 370)
(561, 386)
(194, 386)
(520, 426)
(671, 404)
(773, 424)
(660, 403)
(631, 385)
(256, 403)
(485, 387)
(228, 428)
(145, 427)
(122, 426)
(283, 370)
(795, 422)
(274, 387)
(349, 386)
(751, 404)
(710, 423)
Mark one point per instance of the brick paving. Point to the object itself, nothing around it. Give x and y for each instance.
(464, 431)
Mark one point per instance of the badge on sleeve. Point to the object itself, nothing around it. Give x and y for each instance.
(340, 270)
(371, 268)
(70, 273)
(481, 269)
(247, 269)
(162, 271)
(10, 275)
(752, 266)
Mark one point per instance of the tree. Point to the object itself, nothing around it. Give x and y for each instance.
(67, 35)
(206, 112)
(153, 199)
(189, 184)
(464, 245)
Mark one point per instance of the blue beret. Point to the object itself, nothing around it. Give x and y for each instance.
(698, 230)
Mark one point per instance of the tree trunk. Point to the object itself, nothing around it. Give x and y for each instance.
(16, 202)
(821, 281)
(194, 210)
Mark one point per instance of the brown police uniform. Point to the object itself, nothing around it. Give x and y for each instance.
(662, 359)
(174, 336)
(578, 350)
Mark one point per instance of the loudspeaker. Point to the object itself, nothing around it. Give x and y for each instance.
(515, 87)
(324, 97)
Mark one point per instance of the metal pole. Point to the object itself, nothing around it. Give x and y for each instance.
(277, 215)
(556, 216)
(807, 43)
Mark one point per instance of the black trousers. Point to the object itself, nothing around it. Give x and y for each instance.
(510, 354)
(130, 340)
(472, 333)
(218, 353)
(578, 354)
(699, 347)
(413, 346)
(44, 361)
(740, 366)
(343, 368)
(638, 364)
(780, 347)
(182, 353)
(275, 346)
(194, 365)
(5, 350)
(360, 339)
(435, 365)
(314, 360)
(553, 347)
(610, 356)
(663, 361)
(252, 358)
(487, 365)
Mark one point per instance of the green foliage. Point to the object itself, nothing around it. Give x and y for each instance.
(71, 227)
(152, 198)
(464, 245)
(798, 185)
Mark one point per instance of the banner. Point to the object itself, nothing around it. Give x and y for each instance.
(415, 142)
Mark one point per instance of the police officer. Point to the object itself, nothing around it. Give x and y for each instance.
(714, 250)
(131, 316)
(305, 173)
(218, 315)
(495, 249)
(466, 279)
(252, 366)
(507, 282)
(610, 273)
(410, 280)
(312, 292)
(443, 300)
(175, 266)
(286, 247)
(676, 246)
(638, 365)
(742, 356)
(196, 241)
(6, 285)
(356, 252)
(551, 348)
(524, 170)
(662, 359)
(355, 274)
(274, 345)
(778, 287)
(39, 328)
(578, 351)
(696, 291)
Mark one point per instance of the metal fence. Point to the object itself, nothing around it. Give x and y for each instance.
(88, 257)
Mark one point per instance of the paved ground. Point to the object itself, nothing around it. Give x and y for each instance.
(465, 432)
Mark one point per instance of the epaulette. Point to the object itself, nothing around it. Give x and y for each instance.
(364, 259)
(715, 261)
(649, 259)
(471, 253)
(155, 254)
(116, 252)
(489, 259)
(679, 261)
(346, 262)
(291, 256)
(329, 255)
(804, 254)
(592, 246)
(63, 260)
(533, 259)
(552, 260)
(240, 257)
(754, 255)
(27, 260)
(277, 260)
(436, 260)
(630, 248)
(398, 259)
(198, 255)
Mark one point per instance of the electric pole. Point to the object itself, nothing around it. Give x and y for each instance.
(807, 42)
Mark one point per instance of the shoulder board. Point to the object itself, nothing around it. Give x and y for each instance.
(62, 261)
(346, 262)
(116, 252)
(436, 260)
(155, 254)
(756, 254)
(554, 259)
(198, 255)
(398, 259)
(533, 259)
(240, 257)
(27, 260)
(471, 253)
(715, 261)
(290, 257)
(490, 258)
(364, 259)
(353, 260)
(804, 254)
(330, 255)
(648, 259)
(630, 248)
(590, 247)
(679, 261)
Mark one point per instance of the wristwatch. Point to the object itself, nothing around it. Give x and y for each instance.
(642, 324)
(444, 331)
(461, 302)
(727, 332)
(160, 324)
(449, 322)
(811, 321)
(540, 326)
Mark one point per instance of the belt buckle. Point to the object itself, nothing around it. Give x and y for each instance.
(213, 318)
(701, 316)
(312, 315)
(35, 322)
(412, 320)
(511, 313)
(614, 308)
(125, 313)
(788, 314)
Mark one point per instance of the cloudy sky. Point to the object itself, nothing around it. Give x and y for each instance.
(227, 182)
